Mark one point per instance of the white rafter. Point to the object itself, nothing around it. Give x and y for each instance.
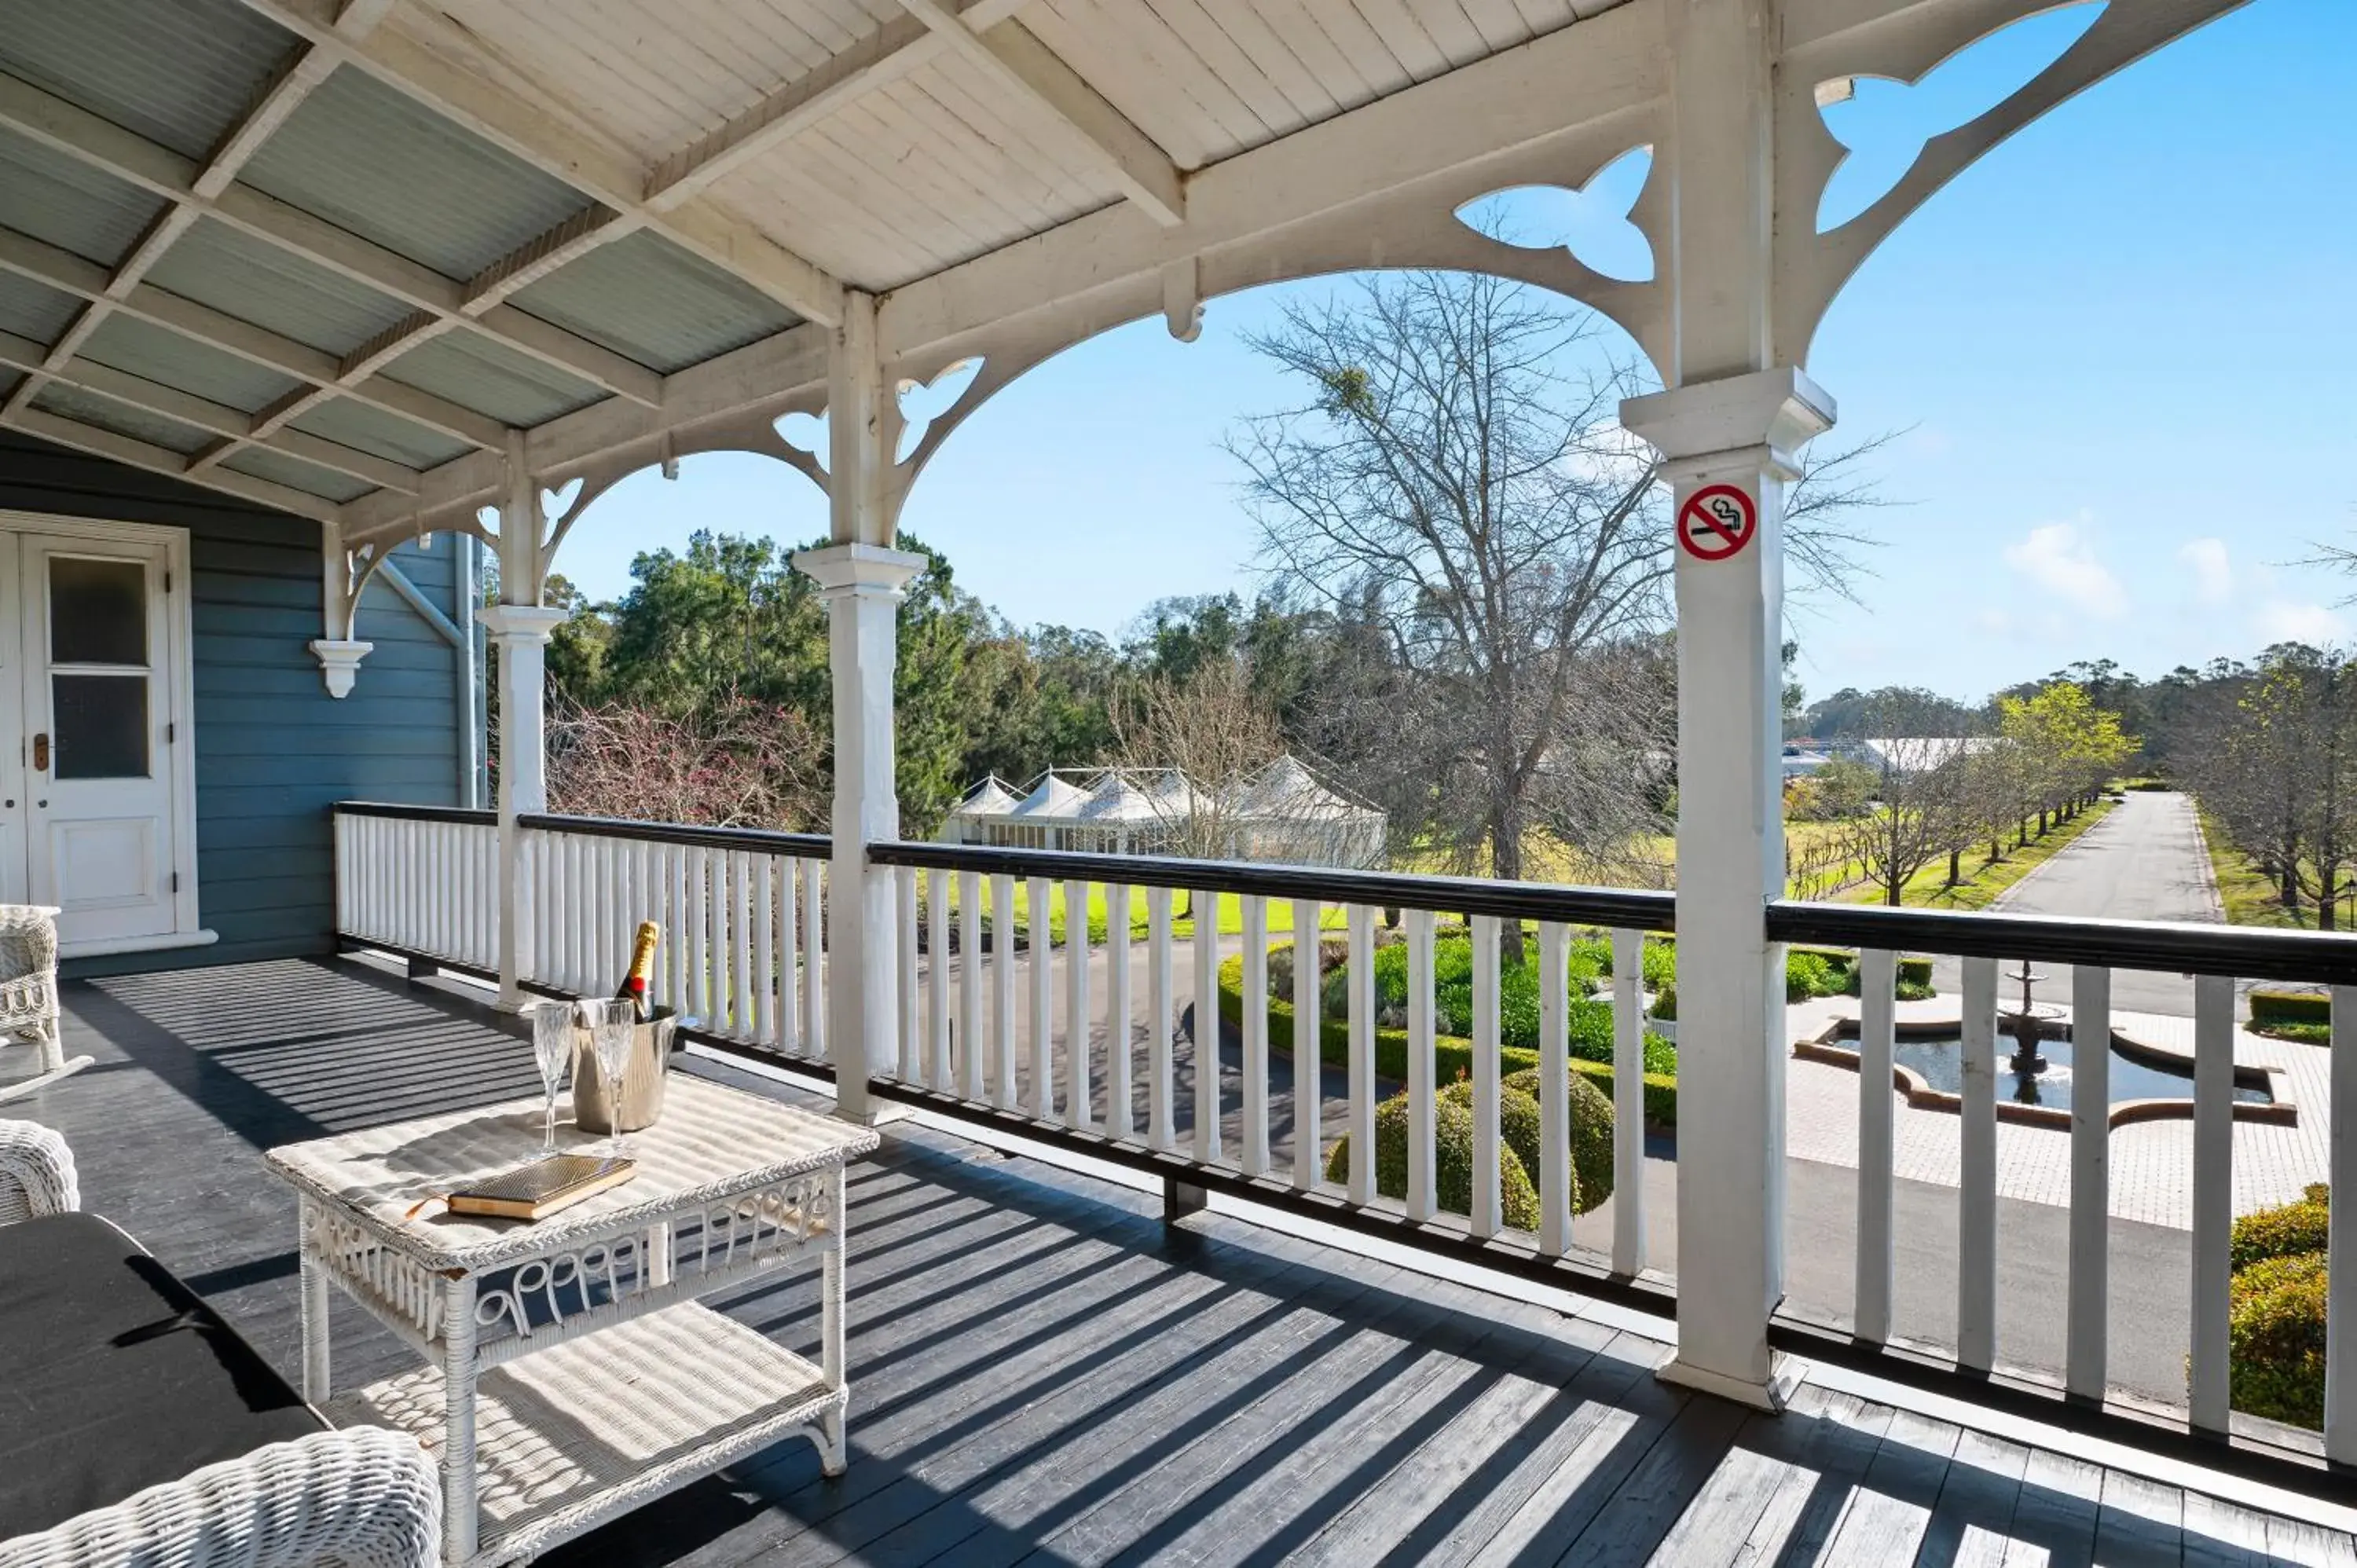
(1011, 54)
(70, 273)
(600, 171)
(211, 190)
(156, 459)
(23, 353)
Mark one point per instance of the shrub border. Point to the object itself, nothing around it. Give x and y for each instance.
(1451, 1054)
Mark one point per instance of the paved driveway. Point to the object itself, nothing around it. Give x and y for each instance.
(2145, 861)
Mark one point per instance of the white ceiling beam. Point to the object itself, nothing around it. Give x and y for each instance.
(603, 172)
(206, 190)
(577, 236)
(164, 460)
(1011, 54)
(70, 273)
(220, 418)
(1556, 85)
(899, 46)
(278, 99)
(767, 373)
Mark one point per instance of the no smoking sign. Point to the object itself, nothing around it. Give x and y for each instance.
(1716, 522)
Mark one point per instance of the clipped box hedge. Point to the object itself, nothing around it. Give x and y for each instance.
(1452, 1057)
(2289, 1007)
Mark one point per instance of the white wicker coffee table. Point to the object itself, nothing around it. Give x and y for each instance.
(571, 1373)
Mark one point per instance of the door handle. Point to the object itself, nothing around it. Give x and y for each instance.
(41, 753)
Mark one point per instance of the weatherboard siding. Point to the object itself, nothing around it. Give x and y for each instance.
(273, 751)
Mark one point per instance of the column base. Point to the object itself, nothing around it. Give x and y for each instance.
(1771, 1396)
(875, 1114)
(517, 1002)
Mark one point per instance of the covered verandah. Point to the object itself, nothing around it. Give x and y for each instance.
(408, 269)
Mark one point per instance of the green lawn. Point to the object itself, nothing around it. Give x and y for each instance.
(2249, 895)
(1984, 879)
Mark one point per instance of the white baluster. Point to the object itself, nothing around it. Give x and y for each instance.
(1421, 1175)
(1205, 920)
(1877, 979)
(814, 957)
(740, 946)
(764, 950)
(1078, 1111)
(939, 918)
(1555, 1087)
(1043, 998)
(1308, 1050)
(1161, 1132)
(911, 1032)
(1255, 1027)
(2091, 1180)
(1629, 1243)
(1360, 1014)
(1005, 1047)
(1120, 1118)
(790, 960)
(2340, 1239)
(1977, 1207)
(703, 1000)
(1487, 1201)
(969, 1032)
(2213, 1200)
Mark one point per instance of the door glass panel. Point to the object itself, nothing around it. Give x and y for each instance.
(98, 611)
(101, 727)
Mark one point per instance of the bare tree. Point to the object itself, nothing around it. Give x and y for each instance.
(1458, 482)
(1923, 810)
(734, 764)
(1183, 743)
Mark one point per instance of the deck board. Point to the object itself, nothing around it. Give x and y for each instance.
(1045, 1373)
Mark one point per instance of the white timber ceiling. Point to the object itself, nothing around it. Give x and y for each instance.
(331, 256)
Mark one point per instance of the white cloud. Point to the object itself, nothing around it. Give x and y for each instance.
(2059, 560)
(2214, 570)
(2281, 621)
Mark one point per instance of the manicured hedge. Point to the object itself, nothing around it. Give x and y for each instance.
(2276, 1339)
(1453, 1162)
(1452, 1056)
(2289, 1007)
(2282, 1233)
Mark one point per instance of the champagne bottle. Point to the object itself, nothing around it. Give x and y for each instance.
(642, 970)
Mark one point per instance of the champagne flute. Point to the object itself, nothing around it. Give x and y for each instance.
(551, 1048)
(611, 1021)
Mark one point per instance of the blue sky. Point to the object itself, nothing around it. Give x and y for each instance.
(2123, 345)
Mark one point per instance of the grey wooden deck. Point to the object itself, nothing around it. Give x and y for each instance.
(1042, 1371)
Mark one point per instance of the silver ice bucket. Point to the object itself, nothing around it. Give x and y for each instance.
(642, 1077)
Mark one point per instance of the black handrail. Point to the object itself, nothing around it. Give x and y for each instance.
(1615, 906)
(2238, 953)
(464, 815)
(760, 841)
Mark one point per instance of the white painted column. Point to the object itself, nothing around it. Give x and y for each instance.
(860, 579)
(519, 627)
(520, 642)
(860, 584)
(1732, 418)
(1737, 433)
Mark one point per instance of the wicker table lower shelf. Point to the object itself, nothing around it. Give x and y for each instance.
(593, 1426)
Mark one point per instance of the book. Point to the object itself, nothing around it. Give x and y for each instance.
(544, 1187)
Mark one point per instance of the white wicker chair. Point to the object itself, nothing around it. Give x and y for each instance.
(28, 994)
(359, 1498)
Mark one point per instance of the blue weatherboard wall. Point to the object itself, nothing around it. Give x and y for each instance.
(273, 750)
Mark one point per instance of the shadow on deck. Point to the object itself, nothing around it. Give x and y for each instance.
(1043, 1372)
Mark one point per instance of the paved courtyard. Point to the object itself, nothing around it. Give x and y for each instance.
(2152, 1162)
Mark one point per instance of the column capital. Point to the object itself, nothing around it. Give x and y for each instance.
(521, 623)
(1777, 409)
(857, 571)
(340, 663)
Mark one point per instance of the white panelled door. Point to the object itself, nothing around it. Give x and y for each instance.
(95, 796)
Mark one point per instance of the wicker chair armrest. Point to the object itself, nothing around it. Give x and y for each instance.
(36, 1173)
(360, 1498)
